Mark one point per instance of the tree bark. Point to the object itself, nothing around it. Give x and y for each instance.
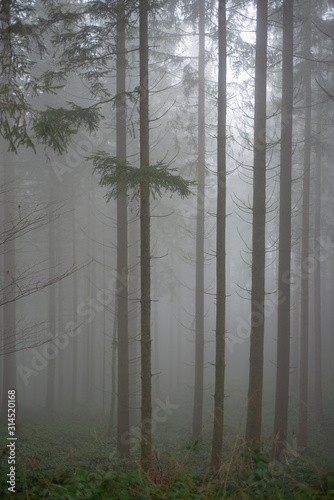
(304, 303)
(51, 372)
(199, 291)
(317, 283)
(284, 259)
(123, 419)
(254, 409)
(9, 265)
(145, 253)
(217, 438)
(74, 306)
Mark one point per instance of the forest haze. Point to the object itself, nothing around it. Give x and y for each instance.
(167, 249)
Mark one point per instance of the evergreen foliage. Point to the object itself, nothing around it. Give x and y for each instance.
(120, 177)
(24, 38)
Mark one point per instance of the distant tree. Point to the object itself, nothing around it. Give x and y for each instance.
(200, 218)
(317, 277)
(9, 287)
(51, 370)
(254, 408)
(284, 259)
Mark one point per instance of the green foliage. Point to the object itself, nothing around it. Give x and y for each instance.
(71, 457)
(24, 36)
(54, 126)
(120, 177)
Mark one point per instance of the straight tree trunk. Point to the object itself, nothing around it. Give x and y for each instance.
(61, 392)
(123, 419)
(52, 349)
(74, 307)
(9, 264)
(284, 259)
(51, 372)
(304, 303)
(134, 314)
(254, 409)
(218, 423)
(199, 290)
(317, 283)
(113, 375)
(145, 254)
(104, 338)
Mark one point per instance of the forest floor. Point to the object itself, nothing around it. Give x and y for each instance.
(71, 456)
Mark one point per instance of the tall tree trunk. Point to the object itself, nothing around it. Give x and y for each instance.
(145, 254)
(199, 290)
(51, 372)
(74, 341)
(104, 337)
(317, 283)
(134, 315)
(254, 409)
(123, 419)
(113, 375)
(304, 303)
(157, 375)
(284, 259)
(9, 264)
(61, 392)
(217, 438)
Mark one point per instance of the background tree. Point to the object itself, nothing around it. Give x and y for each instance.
(199, 290)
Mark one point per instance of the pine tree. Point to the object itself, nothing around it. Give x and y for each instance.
(284, 263)
(254, 409)
(217, 438)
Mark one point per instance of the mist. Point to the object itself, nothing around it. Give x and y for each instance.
(167, 249)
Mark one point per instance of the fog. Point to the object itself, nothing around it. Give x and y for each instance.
(67, 349)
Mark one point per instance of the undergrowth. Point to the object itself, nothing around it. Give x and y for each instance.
(71, 457)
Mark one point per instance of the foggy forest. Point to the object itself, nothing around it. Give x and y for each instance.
(167, 249)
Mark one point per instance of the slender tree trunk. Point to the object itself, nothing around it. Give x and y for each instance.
(218, 424)
(156, 342)
(9, 263)
(199, 291)
(74, 308)
(284, 259)
(113, 375)
(123, 419)
(145, 254)
(304, 304)
(51, 372)
(61, 365)
(317, 283)
(254, 409)
(104, 338)
(179, 370)
(87, 353)
(134, 315)
(294, 344)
